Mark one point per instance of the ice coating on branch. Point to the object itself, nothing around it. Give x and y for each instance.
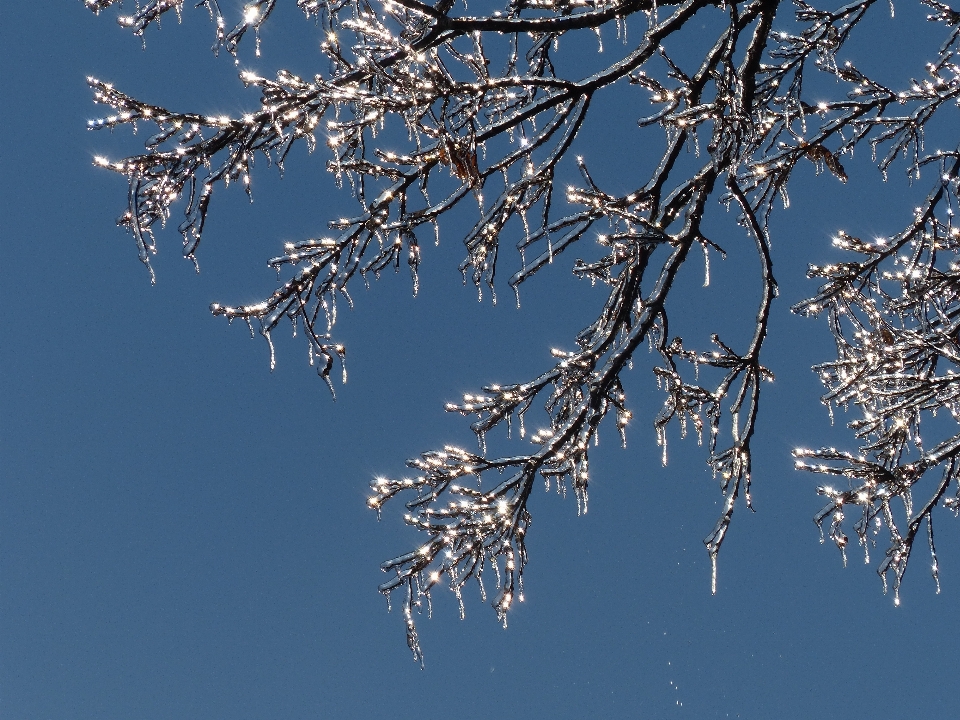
(894, 309)
(417, 108)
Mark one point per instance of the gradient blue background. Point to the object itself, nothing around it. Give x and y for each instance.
(183, 534)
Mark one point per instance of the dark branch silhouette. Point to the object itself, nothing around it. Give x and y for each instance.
(423, 108)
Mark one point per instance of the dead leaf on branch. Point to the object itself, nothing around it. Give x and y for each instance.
(820, 156)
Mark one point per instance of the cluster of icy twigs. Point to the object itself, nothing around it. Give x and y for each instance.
(424, 108)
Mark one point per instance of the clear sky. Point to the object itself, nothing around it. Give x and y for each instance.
(183, 533)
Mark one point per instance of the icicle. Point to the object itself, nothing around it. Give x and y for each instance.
(713, 572)
(706, 266)
(483, 589)
(416, 279)
(934, 568)
(332, 314)
(273, 356)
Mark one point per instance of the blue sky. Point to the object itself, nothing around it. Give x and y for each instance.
(183, 533)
